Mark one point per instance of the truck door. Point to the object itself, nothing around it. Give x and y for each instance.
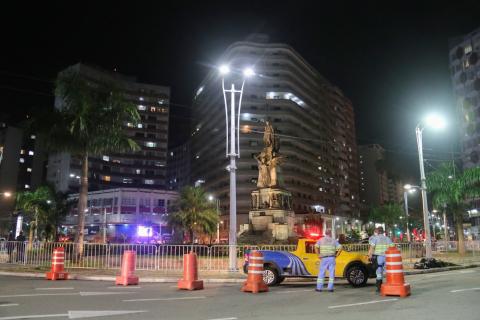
(310, 258)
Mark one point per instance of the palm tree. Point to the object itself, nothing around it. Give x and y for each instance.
(91, 121)
(453, 188)
(193, 212)
(34, 205)
(388, 213)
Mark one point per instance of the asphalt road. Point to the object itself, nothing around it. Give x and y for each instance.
(447, 295)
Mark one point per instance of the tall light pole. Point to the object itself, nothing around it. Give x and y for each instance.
(217, 207)
(408, 189)
(233, 150)
(439, 123)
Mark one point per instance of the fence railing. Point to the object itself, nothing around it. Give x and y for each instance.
(170, 257)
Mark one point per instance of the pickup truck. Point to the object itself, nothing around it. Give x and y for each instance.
(304, 263)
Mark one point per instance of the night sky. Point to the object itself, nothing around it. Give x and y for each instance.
(390, 60)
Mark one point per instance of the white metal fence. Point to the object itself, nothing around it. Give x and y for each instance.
(170, 257)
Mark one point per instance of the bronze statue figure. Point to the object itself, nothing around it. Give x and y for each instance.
(268, 159)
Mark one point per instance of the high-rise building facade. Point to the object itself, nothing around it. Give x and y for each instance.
(374, 186)
(146, 168)
(464, 69)
(178, 172)
(312, 118)
(22, 167)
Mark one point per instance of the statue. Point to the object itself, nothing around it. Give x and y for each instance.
(268, 159)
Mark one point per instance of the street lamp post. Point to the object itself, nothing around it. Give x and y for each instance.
(232, 152)
(405, 198)
(436, 122)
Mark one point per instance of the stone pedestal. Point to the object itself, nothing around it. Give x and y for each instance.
(272, 210)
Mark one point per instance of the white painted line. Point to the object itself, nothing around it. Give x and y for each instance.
(231, 318)
(293, 291)
(64, 288)
(76, 314)
(39, 295)
(466, 271)
(463, 290)
(166, 299)
(85, 294)
(361, 303)
(8, 304)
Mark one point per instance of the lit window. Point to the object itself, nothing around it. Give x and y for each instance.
(148, 181)
(127, 180)
(22, 160)
(30, 153)
(150, 144)
(106, 158)
(27, 186)
(141, 107)
(129, 124)
(140, 98)
(468, 49)
(161, 101)
(153, 109)
(29, 169)
(22, 151)
(72, 175)
(33, 137)
(138, 171)
(106, 178)
(140, 126)
(197, 157)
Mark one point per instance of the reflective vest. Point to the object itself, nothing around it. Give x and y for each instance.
(327, 246)
(381, 244)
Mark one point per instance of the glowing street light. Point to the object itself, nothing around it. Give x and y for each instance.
(6, 194)
(437, 122)
(224, 69)
(248, 72)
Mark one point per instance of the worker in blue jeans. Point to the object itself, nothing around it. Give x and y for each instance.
(379, 243)
(326, 248)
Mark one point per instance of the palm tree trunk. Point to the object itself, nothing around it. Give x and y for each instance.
(461, 238)
(82, 205)
(30, 236)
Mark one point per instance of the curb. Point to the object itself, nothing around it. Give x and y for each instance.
(112, 278)
(207, 280)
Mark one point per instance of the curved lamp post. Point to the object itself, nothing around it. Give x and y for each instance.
(233, 150)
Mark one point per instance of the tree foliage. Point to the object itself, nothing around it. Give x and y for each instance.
(193, 213)
(388, 213)
(451, 187)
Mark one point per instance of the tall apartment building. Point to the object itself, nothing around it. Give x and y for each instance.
(178, 172)
(465, 74)
(377, 184)
(146, 168)
(22, 167)
(464, 69)
(312, 118)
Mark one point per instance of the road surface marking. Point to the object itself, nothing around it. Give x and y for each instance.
(82, 294)
(462, 290)
(466, 271)
(125, 287)
(8, 304)
(165, 299)
(293, 291)
(361, 303)
(76, 314)
(231, 318)
(63, 288)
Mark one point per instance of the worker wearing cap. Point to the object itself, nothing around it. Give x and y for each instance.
(326, 248)
(379, 243)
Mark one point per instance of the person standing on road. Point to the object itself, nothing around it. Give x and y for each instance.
(10, 246)
(326, 248)
(20, 246)
(379, 243)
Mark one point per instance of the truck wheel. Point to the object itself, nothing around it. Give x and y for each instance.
(270, 276)
(357, 275)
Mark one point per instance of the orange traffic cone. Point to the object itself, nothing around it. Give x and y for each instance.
(395, 284)
(254, 281)
(58, 260)
(190, 273)
(127, 276)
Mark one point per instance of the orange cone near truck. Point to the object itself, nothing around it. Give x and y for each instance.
(254, 283)
(395, 284)
(58, 260)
